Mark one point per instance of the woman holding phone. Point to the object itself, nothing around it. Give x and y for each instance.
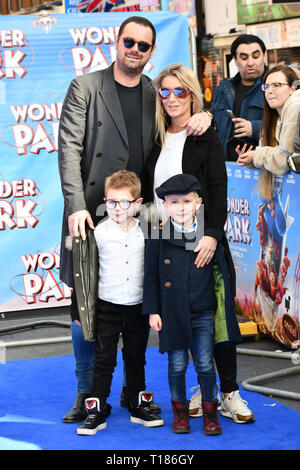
(279, 127)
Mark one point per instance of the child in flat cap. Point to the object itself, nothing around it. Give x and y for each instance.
(180, 300)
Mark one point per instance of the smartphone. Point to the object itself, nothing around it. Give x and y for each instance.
(294, 162)
(230, 113)
(235, 141)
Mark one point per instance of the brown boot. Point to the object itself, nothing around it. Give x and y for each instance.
(181, 423)
(210, 417)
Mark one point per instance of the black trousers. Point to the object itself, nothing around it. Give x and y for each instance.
(113, 320)
(225, 358)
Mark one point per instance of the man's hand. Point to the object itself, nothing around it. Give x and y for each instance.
(198, 124)
(242, 128)
(206, 248)
(155, 322)
(76, 223)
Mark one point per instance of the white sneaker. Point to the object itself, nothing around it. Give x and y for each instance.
(235, 407)
(195, 406)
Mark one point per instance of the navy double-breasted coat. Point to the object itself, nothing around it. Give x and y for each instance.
(204, 158)
(166, 291)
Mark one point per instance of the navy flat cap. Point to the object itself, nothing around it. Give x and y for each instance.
(179, 184)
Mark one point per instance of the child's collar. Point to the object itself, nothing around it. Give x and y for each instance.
(180, 228)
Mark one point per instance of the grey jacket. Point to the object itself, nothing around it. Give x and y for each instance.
(86, 273)
(92, 144)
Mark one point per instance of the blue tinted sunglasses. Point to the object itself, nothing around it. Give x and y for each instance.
(179, 92)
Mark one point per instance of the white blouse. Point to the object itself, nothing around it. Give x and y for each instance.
(169, 163)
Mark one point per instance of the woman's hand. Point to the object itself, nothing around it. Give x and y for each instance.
(198, 124)
(206, 248)
(155, 321)
(245, 157)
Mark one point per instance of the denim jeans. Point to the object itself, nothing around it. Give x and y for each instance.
(202, 353)
(84, 353)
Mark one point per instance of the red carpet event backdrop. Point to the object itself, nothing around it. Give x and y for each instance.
(39, 56)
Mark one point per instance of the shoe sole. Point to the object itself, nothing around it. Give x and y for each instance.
(181, 431)
(227, 414)
(147, 424)
(195, 413)
(91, 432)
(213, 433)
(74, 420)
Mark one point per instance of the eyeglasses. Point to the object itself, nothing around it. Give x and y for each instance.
(272, 86)
(142, 45)
(179, 92)
(124, 204)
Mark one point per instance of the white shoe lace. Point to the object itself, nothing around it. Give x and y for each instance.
(237, 404)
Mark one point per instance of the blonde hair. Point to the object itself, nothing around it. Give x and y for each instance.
(190, 81)
(266, 184)
(124, 179)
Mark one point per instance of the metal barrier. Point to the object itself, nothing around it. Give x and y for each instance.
(248, 383)
(32, 342)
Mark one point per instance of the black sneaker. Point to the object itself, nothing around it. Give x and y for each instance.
(96, 417)
(124, 401)
(141, 414)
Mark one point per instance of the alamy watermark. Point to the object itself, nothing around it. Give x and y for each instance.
(151, 223)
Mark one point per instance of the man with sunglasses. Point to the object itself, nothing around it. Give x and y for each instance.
(106, 124)
(238, 101)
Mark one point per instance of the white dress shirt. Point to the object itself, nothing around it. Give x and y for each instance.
(121, 262)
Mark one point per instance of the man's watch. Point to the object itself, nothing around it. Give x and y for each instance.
(213, 122)
(209, 114)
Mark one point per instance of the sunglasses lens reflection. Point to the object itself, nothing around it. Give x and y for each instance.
(179, 92)
(142, 46)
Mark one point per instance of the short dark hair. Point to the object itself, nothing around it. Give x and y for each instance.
(141, 21)
(246, 39)
(285, 60)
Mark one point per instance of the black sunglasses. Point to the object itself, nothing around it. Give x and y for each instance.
(142, 45)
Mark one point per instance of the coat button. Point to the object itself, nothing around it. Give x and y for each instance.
(167, 261)
(168, 284)
(99, 155)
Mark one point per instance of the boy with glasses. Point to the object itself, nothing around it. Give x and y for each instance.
(121, 246)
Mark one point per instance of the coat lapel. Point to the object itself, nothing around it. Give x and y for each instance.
(109, 94)
(148, 110)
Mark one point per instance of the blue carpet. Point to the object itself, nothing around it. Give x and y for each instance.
(36, 393)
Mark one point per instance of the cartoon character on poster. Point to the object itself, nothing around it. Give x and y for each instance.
(273, 222)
